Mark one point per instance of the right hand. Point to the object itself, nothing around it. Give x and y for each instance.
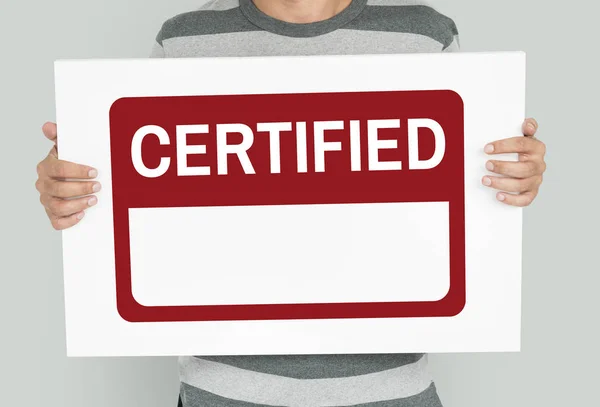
(64, 201)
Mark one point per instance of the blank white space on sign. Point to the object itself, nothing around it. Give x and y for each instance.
(353, 253)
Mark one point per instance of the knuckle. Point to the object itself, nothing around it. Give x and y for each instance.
(55, 224)
(528, 199)
(39, 185)
(539, 180)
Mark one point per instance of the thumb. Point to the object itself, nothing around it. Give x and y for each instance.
(50, 131)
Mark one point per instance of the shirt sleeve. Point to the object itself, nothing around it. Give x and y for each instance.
(452, 39)
(454, 45)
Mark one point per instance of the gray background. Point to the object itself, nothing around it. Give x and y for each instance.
(558, 365)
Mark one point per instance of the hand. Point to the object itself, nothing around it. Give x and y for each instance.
(522, 179)
(56, 194)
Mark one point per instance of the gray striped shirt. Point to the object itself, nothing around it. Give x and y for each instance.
(239, 28)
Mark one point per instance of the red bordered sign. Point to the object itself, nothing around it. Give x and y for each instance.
(317, 148)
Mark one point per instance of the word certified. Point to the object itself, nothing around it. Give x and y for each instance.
(275, 131)
(286, 133)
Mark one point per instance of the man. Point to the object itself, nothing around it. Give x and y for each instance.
(303, 27)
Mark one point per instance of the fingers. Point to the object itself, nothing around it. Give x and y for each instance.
(59, 223)
(520, 169)
(66, 189)
(520, 144)
(521, 200)
(49, 130)
(54, 168)
(66, 207)
(521, 180)
(64, 213)
(513, 184)
(530, 127)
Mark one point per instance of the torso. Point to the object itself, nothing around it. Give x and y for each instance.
(238, 28)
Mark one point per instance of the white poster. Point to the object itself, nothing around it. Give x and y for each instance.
(291, 205)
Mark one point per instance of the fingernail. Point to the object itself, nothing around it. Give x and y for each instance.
(530, 126)
(489, 148)
(487, 181)
(93, 173)
(80, 215)
(489, 165)
(501, 197)
(93, 201)
(96, 187)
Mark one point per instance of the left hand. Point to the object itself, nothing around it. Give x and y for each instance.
(521, 180)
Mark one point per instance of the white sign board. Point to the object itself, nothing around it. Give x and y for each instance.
(291, 205)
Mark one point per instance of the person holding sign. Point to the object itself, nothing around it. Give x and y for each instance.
(299, 27)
